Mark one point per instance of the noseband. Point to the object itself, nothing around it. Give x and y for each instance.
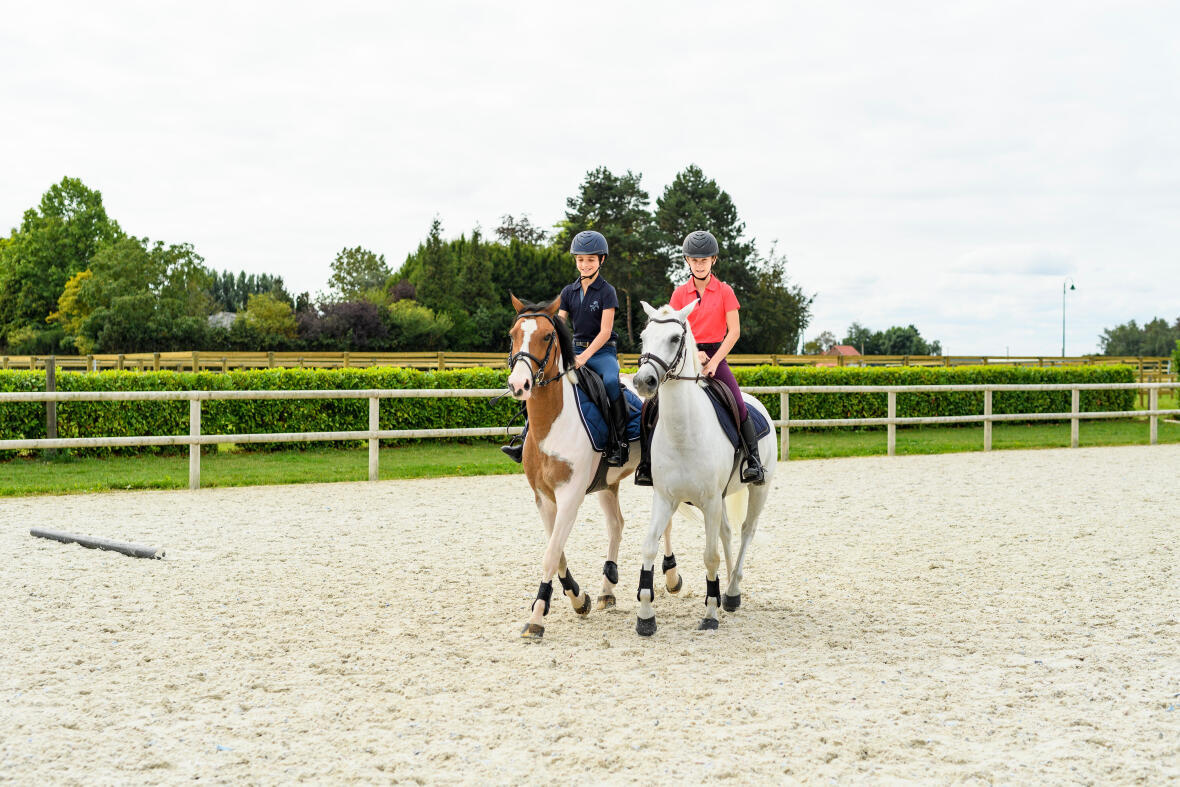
(677, 362)
(539, 379)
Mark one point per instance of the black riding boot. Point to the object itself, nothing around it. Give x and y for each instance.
(643, 471)
(752, 472)
(515, 448)
(616, 434)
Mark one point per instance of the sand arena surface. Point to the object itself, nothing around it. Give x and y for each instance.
(1010, 617)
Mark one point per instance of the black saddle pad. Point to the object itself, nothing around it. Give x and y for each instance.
(725, 418)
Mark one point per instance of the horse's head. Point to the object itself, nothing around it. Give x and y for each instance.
(541, 347)
(667, 348)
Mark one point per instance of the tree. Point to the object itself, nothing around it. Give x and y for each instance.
(1155, 338)
(232, 293)
(520, 229)
(820, 344)
(435, 280)
(616, 206)
(896, 340)
(357, 270)
(137, 297)
(774, 312)
(55, 241)
(270, 315)
(694, 202)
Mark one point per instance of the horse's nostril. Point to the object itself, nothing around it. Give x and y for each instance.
(526, 385)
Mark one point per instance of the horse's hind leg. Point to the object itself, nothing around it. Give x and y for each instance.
(609, 500)
(758, 495)
(672, 578)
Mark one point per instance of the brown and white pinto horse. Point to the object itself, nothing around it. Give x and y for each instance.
(559, 460)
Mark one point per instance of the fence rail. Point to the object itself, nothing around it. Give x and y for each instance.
(374, 434)
(1148, 366)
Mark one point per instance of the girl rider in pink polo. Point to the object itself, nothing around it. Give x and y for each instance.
(716, 328)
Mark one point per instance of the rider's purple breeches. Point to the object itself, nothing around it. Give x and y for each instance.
(725, 375)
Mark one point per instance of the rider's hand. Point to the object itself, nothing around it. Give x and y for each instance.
(701, 356)
(710, 369)
(580, 360)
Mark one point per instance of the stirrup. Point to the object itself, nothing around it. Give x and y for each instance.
(753, 473)
(514, 451)
(643, 475)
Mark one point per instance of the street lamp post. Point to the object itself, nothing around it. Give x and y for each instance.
(1068, 281)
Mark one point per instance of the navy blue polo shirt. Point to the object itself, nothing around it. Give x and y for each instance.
(585, 310)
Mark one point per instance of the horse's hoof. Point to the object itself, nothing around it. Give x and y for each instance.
(645, 627)
(731, 603)
(679, 585)
(585, 608)
(606, 602)
(708, 624)
(532, 632)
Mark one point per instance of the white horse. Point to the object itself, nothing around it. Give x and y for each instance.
(692, 461)
(560, 461)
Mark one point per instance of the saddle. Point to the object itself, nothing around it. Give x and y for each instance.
(724, 404)
(594, 409)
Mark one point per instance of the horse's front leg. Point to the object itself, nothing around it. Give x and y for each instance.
(565, 509)
(714, 513)
(609, 500)
(661, 516)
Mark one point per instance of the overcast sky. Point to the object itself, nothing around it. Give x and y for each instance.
(942, 164)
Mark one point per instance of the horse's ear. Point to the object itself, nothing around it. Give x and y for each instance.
(554, 307)
(647, 307)
(516, 304)
(687, 310)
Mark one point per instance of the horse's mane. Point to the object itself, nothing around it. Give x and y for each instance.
(565, 339)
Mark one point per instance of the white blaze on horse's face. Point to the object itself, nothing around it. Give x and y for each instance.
(520, 379)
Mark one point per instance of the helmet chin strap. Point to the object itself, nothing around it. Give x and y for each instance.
(701, 278)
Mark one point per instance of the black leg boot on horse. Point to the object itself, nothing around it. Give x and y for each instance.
(617, 447)
(752, 471)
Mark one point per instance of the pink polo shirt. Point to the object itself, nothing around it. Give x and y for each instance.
(708, 318)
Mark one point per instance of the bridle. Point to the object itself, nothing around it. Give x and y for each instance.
(539, 379)
(677, 362)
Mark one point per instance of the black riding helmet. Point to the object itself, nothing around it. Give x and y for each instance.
(700, 244)
(589, 242)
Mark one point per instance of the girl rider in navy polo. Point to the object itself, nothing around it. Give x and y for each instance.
(590, 304)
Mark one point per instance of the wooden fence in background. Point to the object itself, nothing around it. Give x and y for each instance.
(1150, 368)
(374, 434)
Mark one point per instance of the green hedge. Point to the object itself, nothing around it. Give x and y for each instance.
(90, 419)
(919, 405)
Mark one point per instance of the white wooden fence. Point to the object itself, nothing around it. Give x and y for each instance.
(194, 439)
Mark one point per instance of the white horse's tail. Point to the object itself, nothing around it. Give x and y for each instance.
(736, 505)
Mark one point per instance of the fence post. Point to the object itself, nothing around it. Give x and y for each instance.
(347, 359)
(194, 450)
(442, 361)
(987, 420)
(155, 362)
(270, 359)
(1075, 408)
(1140, 380)
(1153, 404)
(224, 365)
(196, 361)
(892, 426)
(374, 443)
(784, 409)
(51, 407)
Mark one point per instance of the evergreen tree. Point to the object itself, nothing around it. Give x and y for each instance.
(694, 202)
(617, 206)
